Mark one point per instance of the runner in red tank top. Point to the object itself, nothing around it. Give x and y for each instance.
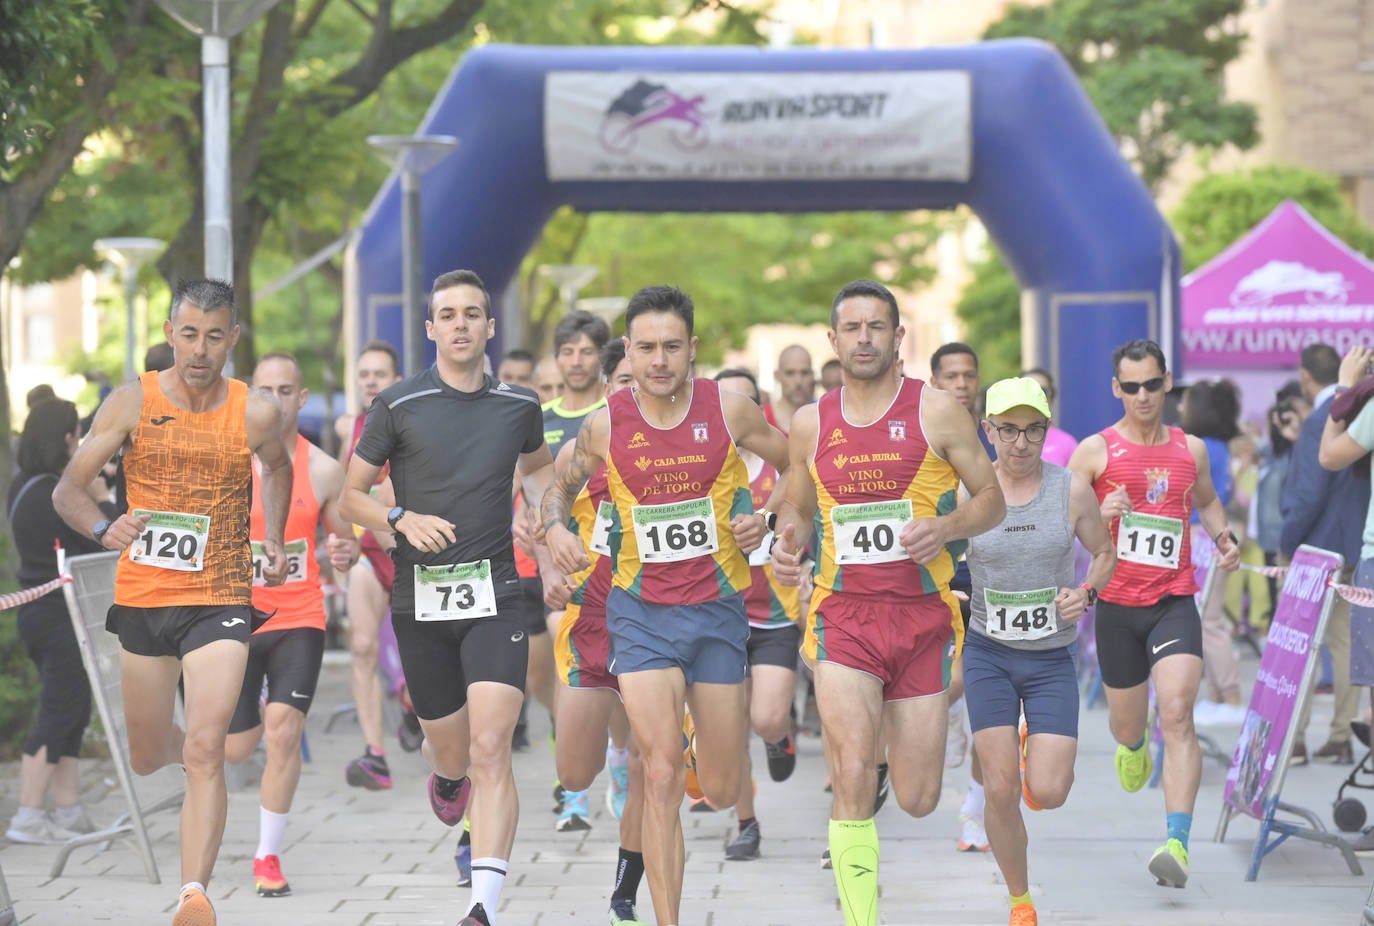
(370, 580)
(286, 651)
(1149, 478)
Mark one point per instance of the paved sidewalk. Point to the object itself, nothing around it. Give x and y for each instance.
(355, 857)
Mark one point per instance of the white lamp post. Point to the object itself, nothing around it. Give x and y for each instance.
(569, 278)
(412, 155)
(216, 22)
(606, 308)
(129, 254)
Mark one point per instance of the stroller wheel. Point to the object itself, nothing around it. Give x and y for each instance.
(1349, 815)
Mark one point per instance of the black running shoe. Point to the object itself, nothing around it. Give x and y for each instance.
(880, 798)
(477, 916)
(746, 844)
(409, 732)
(782, 758)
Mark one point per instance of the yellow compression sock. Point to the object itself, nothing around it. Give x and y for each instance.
(1017, 901)
(854, 859)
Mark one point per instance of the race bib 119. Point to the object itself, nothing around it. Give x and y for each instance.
(1150, 540)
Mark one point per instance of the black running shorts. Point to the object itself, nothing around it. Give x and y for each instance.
(289, 661)
(441, 658)
(176, 631)
(1130, 640)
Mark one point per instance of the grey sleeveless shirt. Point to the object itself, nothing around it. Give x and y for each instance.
(1032, 549)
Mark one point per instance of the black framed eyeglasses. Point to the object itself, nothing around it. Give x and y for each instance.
(1150, 385)
(1008, 434)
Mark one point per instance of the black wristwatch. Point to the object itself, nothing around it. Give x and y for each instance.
(770, 518)
(98, 532)
(394, 515)
(1092, 593)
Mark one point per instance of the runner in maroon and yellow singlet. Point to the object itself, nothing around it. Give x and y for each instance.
(685, 522)
(774, 612)
(876, 466)
(1149, 478)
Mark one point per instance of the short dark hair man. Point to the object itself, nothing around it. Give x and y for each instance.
(183, 606)
(454, 438)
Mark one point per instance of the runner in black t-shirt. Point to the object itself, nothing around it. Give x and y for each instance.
(454, 438)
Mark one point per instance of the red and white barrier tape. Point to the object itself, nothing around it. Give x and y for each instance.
(1363, 597)
(24, 596)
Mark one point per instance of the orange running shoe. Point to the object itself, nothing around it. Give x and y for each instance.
(689, 757)
(1023, 914)
(1031, 802)
(194, 909)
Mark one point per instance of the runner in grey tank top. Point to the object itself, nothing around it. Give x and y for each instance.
(1019, 567)
(1025, 607)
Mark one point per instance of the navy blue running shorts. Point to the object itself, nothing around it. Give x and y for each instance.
(1000, 683)
(707, 641)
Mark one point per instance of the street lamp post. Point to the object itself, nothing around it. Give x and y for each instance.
(216, 22)
(606, 308)
(412, 155)
(569, 278)
(130, 254)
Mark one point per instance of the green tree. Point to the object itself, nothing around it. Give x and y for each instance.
(990, 308)
(1220, 208)
(1153, 68)
(744, 269)
(311, 81)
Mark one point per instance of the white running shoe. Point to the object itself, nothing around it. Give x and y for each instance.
(974, 838)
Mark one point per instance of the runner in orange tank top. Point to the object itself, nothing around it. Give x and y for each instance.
(182, 604)
(1148, 480)
(285, 652)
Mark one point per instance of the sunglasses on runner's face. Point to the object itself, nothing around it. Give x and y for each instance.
(1150, 385)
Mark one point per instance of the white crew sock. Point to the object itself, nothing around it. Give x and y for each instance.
(271, 829)
(617, 757)
(488, 877)
(973, 800)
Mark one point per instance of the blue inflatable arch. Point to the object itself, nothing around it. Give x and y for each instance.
(1096, 260)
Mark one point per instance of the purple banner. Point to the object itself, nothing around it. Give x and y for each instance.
(1273, 702)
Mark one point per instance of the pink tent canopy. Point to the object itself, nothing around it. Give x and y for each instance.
(1287, 284)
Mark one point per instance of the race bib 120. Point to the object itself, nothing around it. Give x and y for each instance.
(171, 540)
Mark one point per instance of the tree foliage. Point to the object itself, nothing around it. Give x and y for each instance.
(1220, 208)
(990, 308)
(1153, 68)
(739, 269)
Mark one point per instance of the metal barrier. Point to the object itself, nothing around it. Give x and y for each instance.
(7, 915)
(89, 596)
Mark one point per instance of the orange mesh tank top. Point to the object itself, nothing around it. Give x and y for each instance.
(192, 471)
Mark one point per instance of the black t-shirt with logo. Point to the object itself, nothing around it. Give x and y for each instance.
(453, 454)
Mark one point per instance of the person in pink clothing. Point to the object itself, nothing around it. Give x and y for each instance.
(1059, 444)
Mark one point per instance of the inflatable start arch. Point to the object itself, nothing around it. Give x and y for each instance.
(1003, 127)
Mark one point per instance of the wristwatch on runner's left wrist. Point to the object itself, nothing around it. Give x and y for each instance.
(1092, 593)
(395, 515)
(98, 532)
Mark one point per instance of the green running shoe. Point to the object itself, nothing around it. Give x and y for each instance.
(1170, 865)
(1133, 767)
